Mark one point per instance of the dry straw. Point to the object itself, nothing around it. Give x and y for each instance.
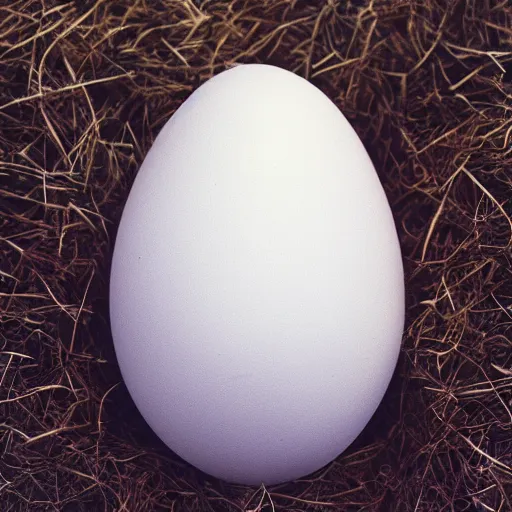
(84, 89)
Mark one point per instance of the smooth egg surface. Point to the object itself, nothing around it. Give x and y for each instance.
(257, 289)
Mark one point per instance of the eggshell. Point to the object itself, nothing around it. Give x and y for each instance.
(257, 291)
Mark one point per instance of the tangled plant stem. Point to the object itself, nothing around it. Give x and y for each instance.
(85, 88)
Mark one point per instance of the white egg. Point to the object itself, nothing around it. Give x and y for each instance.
(257, 290)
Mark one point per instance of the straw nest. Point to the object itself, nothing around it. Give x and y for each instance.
(85, 88)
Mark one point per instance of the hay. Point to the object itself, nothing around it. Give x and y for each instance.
(86, 86)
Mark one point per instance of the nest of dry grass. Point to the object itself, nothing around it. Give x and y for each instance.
(84, 89)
